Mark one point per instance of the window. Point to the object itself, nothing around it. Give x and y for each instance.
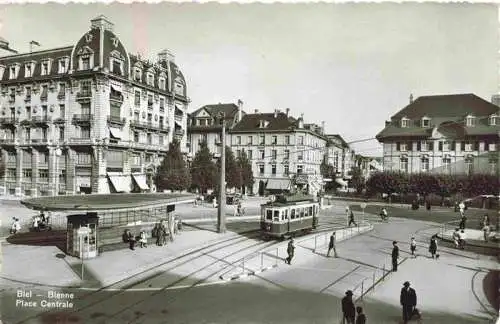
(11, 174)
(274, 140)
(161, 83)
(27, 133)
(84, 132)
(276, 216)
(273, 169)
(425, 164)
(150, 101)
(300, 155)
(261, 168)
(13, 72)
(179, 89)
(61, 133)
(262, 140)
(62, 176)
(150, 80)
(45, 68)
(286, 155)
(269, 214)
(85, 87)
(249, 154)
(43, 175)
(287, 139)
(250, 140)
(403, 164)
(162, 104)
(149, 138)
(300, 169)
(136, 137)
(424, 146)
(28, 70)
(447, 165)
(62, 91)
(467, 146)
(27, 174)
(83, 158)
(161, 121)
(137, 98)
(292, 213)
(62, 111)
(286, 169)
(493, 120)
(470, 121)
(238, 140)
(493, 167)
(262, 154)
(274, 154)
(405, 122)
(402, 147)
(301, 140)
(85, 62)
(85, 107)
(62, 66)
(444, 146)
(137, 75)
(28, 93)
(469, 166)
(492, 147)
(11, 157)
(426, 122)
(44, 157)
(116, 67)
(44, 94)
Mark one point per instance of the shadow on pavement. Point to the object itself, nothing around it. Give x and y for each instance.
(490, 286)
(48, 238)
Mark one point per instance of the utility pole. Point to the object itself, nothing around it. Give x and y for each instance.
(221, 216)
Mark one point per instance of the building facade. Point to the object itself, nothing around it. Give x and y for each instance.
(284, 151)
(88, 118)
(368, 165)
(341, 157)
(452, 134)
(205, 124)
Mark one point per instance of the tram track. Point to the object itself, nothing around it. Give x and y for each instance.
(166, 301)
(210, 247)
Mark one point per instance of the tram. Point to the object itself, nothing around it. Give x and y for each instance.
(288, 216)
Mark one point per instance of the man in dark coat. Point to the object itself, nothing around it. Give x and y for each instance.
(348, 309)
(395, 256)
(290, 250)
(351, 220)
(408, 300)
(331, 246)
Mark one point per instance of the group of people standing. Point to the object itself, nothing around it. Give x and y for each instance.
(160, 232)
(351, 313)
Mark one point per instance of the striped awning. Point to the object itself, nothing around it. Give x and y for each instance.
(120, 182)
(140, 179)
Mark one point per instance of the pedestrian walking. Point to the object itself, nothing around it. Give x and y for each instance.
(461, 207)
(383, 214)
(395, 256)
(143, 240)
(463, 222)
(348, 309)
(331, 246)
(131, 240)
(462, 239)
(413, 247)
(360, 317)
(486, 227)
(351, 220)
(156, 234)
(456, 238)
(408, 300)
(433, 247)
(290, 250)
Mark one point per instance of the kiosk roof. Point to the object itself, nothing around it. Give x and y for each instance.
(100, 202)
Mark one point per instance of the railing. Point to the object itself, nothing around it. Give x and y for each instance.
(80, 140)
(39, 141)
(84, 94)
(40, 119)
(9, 120)
(82, 117)
(179, 132)
(116, 119)
(116, 97)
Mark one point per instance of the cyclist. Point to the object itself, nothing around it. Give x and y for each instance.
(383, 214)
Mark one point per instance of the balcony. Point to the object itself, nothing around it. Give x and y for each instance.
(59, 120)
(179, 132)
(39, 141)
(82, 118)
(80, 141)
(178, 117)
(9, 120)
(40, 119)
(117, 120)
(117, 97)
(84, 95)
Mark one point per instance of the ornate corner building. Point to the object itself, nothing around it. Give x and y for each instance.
(447, 134)
(88, 118)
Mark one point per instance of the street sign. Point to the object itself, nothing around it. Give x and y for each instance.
(363, 205)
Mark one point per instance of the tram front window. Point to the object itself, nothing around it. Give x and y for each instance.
(269, 214)
(276, 216)
(302, 212)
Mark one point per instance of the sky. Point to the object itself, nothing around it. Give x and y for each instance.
(350, 65)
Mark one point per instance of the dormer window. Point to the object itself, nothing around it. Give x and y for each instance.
(179, 88)
(137, 75)
(426, 122)
(493, 120)
(150, 80)
(470, 121)
(85, 62)
(85, 59)
(45, 67)
(29, 67)
(63, 65)
(14, 71)
(405, 122)
(161, 83)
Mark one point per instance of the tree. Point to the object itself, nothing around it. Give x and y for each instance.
(203, 170)
(245, 173)
(173, 173)
(385, 182)
(232, 174)
(357, 180)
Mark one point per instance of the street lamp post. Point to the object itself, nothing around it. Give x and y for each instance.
(58, 153)
(221, 218)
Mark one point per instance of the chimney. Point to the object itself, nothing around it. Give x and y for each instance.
(240, 108)
(387, 122)
(101, 22)
(323, 127)
(275, 113)
(166, 56)
(256, 111)
(287, 111)
(302, 116)
(411, 98)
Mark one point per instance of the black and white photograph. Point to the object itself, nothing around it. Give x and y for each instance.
(254, 163)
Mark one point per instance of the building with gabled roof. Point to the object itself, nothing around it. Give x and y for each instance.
(205, 123)
(452, 134)
(284, 150)
(88, 118)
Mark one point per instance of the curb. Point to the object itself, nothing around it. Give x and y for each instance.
(247, 274)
